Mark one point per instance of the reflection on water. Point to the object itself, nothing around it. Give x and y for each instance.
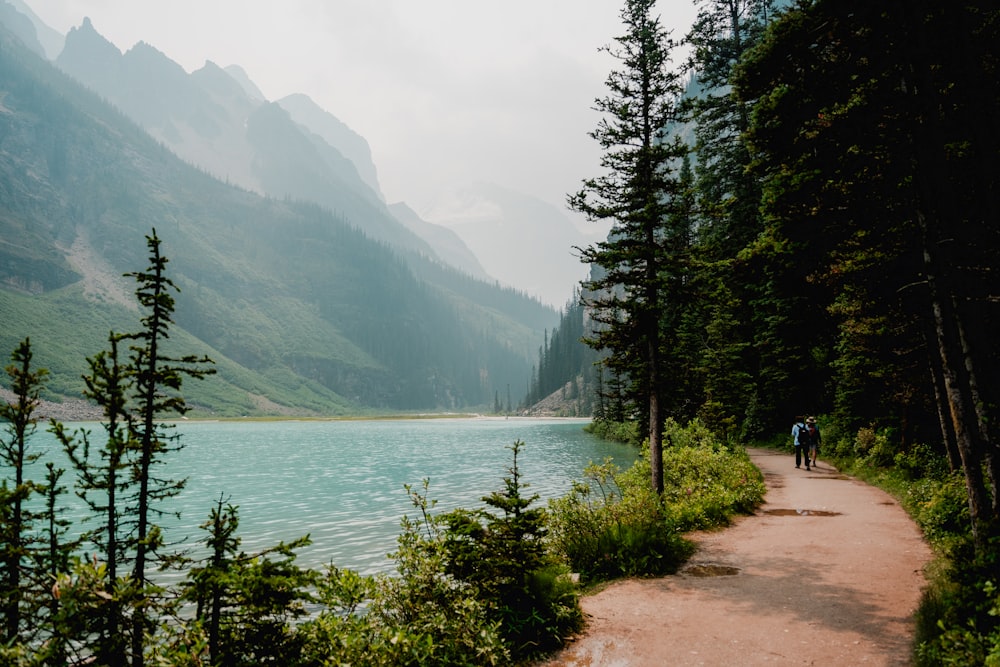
(341, 482)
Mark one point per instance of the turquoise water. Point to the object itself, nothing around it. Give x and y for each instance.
(341, 482)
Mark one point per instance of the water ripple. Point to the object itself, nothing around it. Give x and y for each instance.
(342, 483)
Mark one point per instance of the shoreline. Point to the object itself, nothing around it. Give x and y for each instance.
(81, 411)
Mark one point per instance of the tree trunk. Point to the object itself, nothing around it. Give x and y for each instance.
(985, 444)
(959, 400)
(655, 418)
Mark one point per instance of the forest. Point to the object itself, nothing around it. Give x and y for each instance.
(812, 230)
(804, 221)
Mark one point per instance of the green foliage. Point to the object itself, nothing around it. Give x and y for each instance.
(472, 587)
(247, 604)
(503, 557)
(965, 608)
(19, 564)
(607, 527)
(612, 524)
(875, 448)
(421, 616)
(616, 431)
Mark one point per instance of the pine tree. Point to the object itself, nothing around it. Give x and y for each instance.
(246, 602)
(637, 194)
(17, 521)
(728, 313)
(52, 559)
(118, 480)
(103, 482)
(156, 392)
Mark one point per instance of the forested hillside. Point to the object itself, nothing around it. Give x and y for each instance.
(304, 312)
(824, 240)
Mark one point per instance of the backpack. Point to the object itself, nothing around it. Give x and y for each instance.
(805, 437)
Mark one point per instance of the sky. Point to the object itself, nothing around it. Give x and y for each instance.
(446, 92)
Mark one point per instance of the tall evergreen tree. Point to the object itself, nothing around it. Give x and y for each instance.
(729, 195)
(730, 307)
(637, 194)
(103, 482)
(17, 521)
(156, 393)
(52, 559)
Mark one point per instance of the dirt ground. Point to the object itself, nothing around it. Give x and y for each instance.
(829, 571)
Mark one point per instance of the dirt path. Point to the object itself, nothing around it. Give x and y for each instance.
(828, 572)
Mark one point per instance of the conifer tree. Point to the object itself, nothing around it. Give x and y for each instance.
(103, 482)
(637, 194)
(17, 521)
(247, 603)
(732, 310)
(52, 559)
(119, 481)
(155, 393)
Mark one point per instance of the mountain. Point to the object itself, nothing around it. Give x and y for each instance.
(513, 235)
(446, 242)
(335, 133)
(305, 309)
(217, 119)
(22, 25)
(249, 87)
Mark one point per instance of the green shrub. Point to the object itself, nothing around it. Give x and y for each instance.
(474, 587)
(605, 532)
(966, 606)
(502, 555)
(612, 524)
(941, 509)
(626, 432)
(874, 447)
(921, 462)
(420, 616)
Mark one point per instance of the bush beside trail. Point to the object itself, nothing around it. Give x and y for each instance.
(613, 525)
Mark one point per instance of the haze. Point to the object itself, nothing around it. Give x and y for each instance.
(447, 92)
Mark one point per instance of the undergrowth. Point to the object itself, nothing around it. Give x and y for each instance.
(958, 621)
(611, 524)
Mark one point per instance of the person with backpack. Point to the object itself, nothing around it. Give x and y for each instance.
(814, 440)
(800, 439)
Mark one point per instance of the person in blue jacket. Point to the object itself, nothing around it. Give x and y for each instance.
(800, 439)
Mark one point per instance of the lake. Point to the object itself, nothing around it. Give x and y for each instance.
(341, 482)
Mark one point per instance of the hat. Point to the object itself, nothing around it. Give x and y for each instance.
(811, 420)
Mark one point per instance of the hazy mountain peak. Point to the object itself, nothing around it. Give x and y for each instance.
(86, 37)
(153, 63)
(21, 26)
(249, 87)
(220, 81)
(518, 238)
(51, 40)
(335, 132)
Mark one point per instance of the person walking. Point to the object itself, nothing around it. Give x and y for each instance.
(800, 439)
(814, 440)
